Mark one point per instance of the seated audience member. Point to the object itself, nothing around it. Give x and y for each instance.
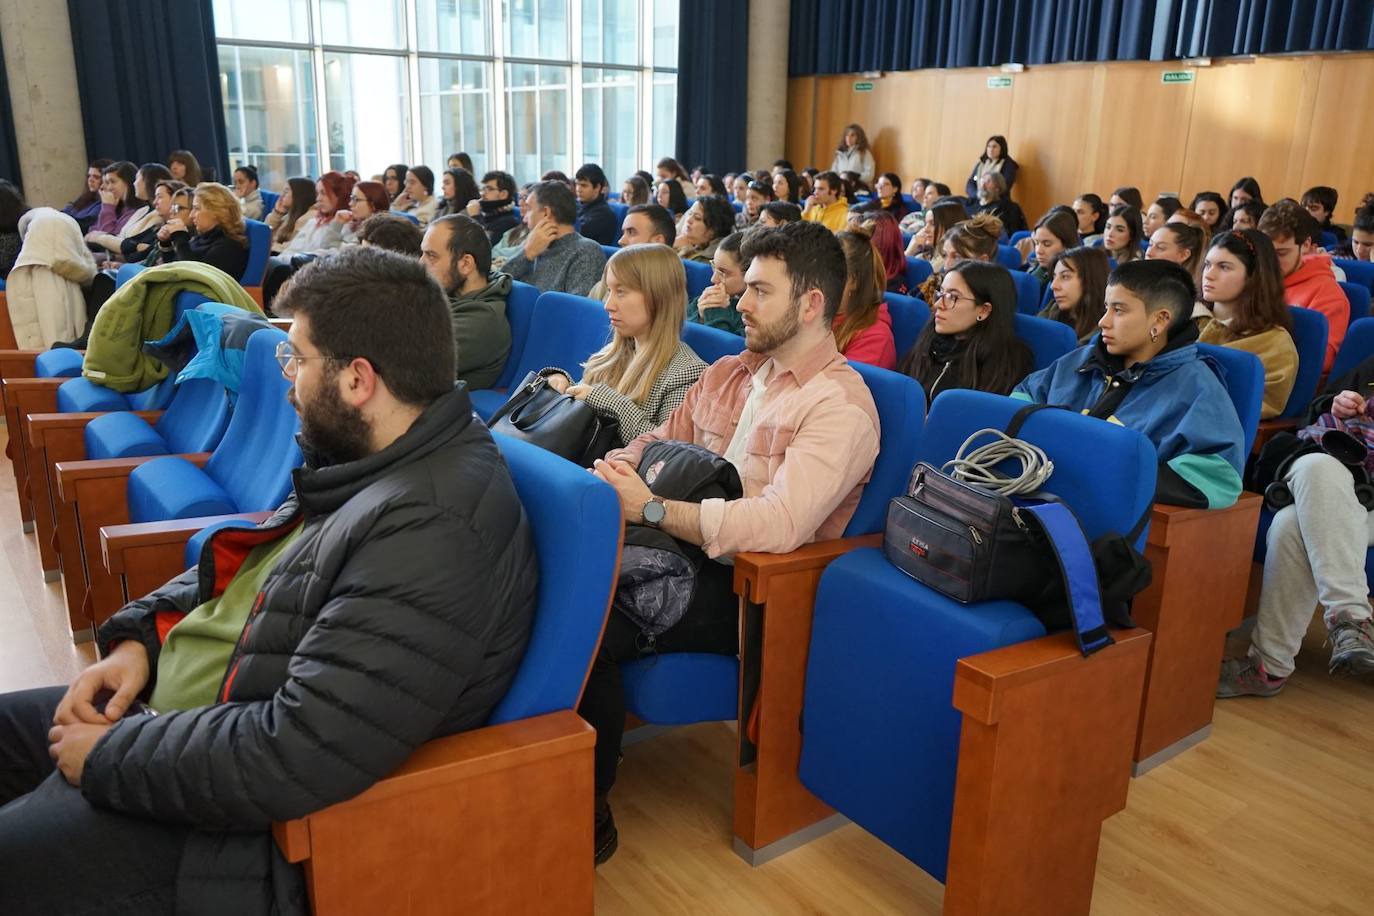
(323, 233)
(118, 200)
(173, 200)
(756, 195)
(739, 186)
(12, 208)
(44, 289)
(1211, 206)
(796, 420)
(595, 218)
(918, 189)
(709, 185)
(1126, 197)
(931, 193)
(554, 256)
(929, 241)
(643, 374)
(1246, 191)
(853, 186)
(513, 241)
(184, 167)
(1321, 203)
(635, 191)
(1242, 287)
(887, 197)
(1158, 214)
(863, 325)
(418, 197)
(853, 154)
(780, 165)
(827, 204)
(787, 186)
(247, 191)
(85, 208)
(994, 161)
(457, 254)
(556, 175)
(1307, 277)
(1362, 234)
(367, 199)
(669, 169)
(141, 226)
(1055, 233)
(391, 232)
(457, 193)
(1245, 216)
(403, 530)
(709, 220)
(970, 239)
(1079, 286)
(668, 195)
(1092, 217)
(882, 231)
(970, 341)
(1144, 372)
(778, 213)
(1315, 558)
(219, 238)
(717, 306)
(1124, 233)
(1181, 243)
(1189, 218)
(647, 224)
(394, 179)
(993, 199)
(495, 211)
(294, 210)
(460, 161)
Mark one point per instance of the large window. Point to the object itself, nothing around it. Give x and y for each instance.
(524, 85)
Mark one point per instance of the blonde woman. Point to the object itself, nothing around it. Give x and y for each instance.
(643, 374)
(216, 234)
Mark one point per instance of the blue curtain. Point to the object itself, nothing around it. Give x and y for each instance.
(9, 150)
(712, 76)
(148, 74)
(850, 36)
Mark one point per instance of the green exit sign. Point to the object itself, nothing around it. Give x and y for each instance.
(863, 87)
(999, 82)
(1177, 76)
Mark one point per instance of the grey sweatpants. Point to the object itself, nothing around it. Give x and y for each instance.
(1316, 556)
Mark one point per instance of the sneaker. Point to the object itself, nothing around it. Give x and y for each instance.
(606, 839)
(1246, 677)
(1352, 647)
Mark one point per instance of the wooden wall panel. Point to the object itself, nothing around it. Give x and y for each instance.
(971, 112)
(1049, 121)
(1137, 131)
(1339, 132)
(801, 98)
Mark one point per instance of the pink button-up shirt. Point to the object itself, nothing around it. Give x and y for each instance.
(807, 456)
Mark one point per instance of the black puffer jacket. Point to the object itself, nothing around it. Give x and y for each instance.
(400, 614)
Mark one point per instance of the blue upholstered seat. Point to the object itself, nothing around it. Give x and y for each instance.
(1310, 330)
(63, 363)
(1358, 295)
(193, 422)
(1047, 339)
(1028, 292)
(909, 316)
(259, 249)
(1009, 257)
(698, 277)
(918, 271)
(1361, 272)
(711, 343)
(1243, 376)
(1356, 347)
(519, 314)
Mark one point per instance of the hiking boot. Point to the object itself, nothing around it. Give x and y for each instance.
(1352, 647)
(606, 839)
(1246, 677)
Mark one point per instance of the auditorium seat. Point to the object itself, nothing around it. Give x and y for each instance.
(1329, 239)
(1009, 257)
(711, 343)
(909, 317)
(1027, 292)
(269, 200)
(259, 250)
(1048, 340)
(610, 250)
(1243, 377)
(1309, 337)
(918, 271)
(619, 210)
(1361, 272)
(698, 277)
(1357, 346)
(519, 314)
(1358, 296)
(977, 747)
(1018, 236)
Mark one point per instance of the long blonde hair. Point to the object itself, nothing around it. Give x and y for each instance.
(656, 272)
(221, 203)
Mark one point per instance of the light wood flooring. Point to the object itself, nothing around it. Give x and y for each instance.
(1273, 814)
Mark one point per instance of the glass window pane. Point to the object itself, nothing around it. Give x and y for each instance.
(536, 120)
(454, 26)
(665, 33)
(610, 31)
(365, 101)
(536, 28)
(610, 121)
(363, 23)
(664, 116)
(263, 20)
(269, 112)
(455, 110)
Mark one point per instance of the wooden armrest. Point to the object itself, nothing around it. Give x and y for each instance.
(32, 384)
(68, 472)
(754, 572)
(40, 423)
(1163, 517)
(445, 761)
(282, 323)
(116, 540)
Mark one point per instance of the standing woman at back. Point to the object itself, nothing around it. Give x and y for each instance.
(996, 159)
(853, 154)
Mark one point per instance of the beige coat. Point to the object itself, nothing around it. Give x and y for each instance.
(46, 303)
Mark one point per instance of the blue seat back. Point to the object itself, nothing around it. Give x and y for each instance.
(1358, 297)
(910, 203)
(519, 313)
(1361, 272)
(269, 200)
(1018, 236)
(1329, 239)
(62, 363)
(566, 330)
(901, 405)
(410, 216)
(711, 343)
(1357, 347)
(1047, 339)
(1009, 257)
(918, 271)
(259, 248)
(254, 459)
(184, 302)
(196, 418)
(1243, 376)
(909, 316)
(610, 250)
(576, 577)
(619, 209)
(698, 277)
(1309, 336)
(1027, 292)
(127, 272)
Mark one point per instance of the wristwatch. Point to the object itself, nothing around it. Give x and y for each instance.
(654, 511)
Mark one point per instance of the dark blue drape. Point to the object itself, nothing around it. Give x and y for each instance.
(850, 36)
(712, 76)
(9, 150)
(148, 74)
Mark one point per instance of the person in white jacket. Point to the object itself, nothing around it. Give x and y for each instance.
(44, 289)
(854, 154)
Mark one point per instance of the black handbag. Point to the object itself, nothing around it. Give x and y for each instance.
(555, 422)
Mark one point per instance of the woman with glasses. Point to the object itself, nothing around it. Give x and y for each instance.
(970, 340)
(367, 198)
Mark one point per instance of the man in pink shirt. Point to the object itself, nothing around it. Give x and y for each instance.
(1308, 280)
(798, 423)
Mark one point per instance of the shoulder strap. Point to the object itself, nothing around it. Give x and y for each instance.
(1019, 418)
(1077, 569)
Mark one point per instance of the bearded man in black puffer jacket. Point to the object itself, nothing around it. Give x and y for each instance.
(387, 602)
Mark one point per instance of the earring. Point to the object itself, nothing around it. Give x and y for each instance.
(980, 317)
(1154, 333)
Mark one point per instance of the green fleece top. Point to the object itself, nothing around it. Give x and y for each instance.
(481, 332)
(727, 319)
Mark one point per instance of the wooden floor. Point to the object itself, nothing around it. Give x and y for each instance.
(1273, 814)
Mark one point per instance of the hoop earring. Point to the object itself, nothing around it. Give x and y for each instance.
(1154, 334)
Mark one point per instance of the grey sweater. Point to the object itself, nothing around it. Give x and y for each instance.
(572, 264)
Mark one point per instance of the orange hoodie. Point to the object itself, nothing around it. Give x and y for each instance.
(1314, 286)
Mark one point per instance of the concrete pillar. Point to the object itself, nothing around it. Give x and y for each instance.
(43, 95)
(766, 124)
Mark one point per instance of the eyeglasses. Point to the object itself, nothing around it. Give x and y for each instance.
(288, 360)
(948, 299)
(490, 189)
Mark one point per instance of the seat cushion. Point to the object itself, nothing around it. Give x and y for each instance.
(79, 395)
(171, 487)
(122, 435)
(680, 688)
(63, 363)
